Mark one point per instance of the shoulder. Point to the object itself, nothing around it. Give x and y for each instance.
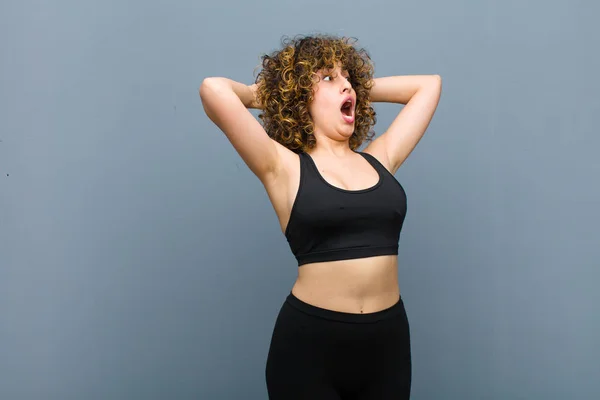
(376, 151)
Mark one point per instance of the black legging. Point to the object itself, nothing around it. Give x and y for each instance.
(321, 354)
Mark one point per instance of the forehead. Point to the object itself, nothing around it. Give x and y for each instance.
(329, 69)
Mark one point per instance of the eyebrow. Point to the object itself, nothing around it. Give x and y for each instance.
(331, 71)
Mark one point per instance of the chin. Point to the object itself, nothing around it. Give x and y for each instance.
(346, 135)
(348, 131)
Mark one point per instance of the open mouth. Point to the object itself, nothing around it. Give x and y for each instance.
(348, 110)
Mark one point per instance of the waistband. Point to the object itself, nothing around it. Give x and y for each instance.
(341, 316)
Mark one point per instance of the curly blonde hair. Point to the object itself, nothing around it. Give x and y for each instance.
(286, 81)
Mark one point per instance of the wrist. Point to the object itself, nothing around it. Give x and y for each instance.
(253, 99)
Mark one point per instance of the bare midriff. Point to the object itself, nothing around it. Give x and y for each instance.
(358, 286)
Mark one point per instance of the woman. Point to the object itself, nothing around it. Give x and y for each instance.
(342, 332)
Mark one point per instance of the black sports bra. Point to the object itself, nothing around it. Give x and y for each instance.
(328, 223)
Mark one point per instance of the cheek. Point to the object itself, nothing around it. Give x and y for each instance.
(322, 106)
(316, 108)
(312, 108)
(315, 113)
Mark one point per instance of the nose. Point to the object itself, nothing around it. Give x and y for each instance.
(346, 85)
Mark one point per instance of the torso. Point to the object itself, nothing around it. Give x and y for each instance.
(356, 286)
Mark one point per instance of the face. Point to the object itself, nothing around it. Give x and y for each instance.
(333, 107)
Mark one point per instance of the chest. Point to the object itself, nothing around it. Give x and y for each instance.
(384, 205)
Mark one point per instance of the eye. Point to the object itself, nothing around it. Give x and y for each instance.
(325, 78)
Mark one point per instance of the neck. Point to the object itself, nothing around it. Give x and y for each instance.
(331, 147)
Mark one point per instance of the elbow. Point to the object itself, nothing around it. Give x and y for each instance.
(205, 86)
(210, 85)
(436, 83)
(430, 83)
(208, 90)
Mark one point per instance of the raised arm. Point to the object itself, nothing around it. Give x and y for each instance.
(420, 94)
(226, 103)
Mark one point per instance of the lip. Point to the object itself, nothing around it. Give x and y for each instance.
(352, 101)
(348, 118)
